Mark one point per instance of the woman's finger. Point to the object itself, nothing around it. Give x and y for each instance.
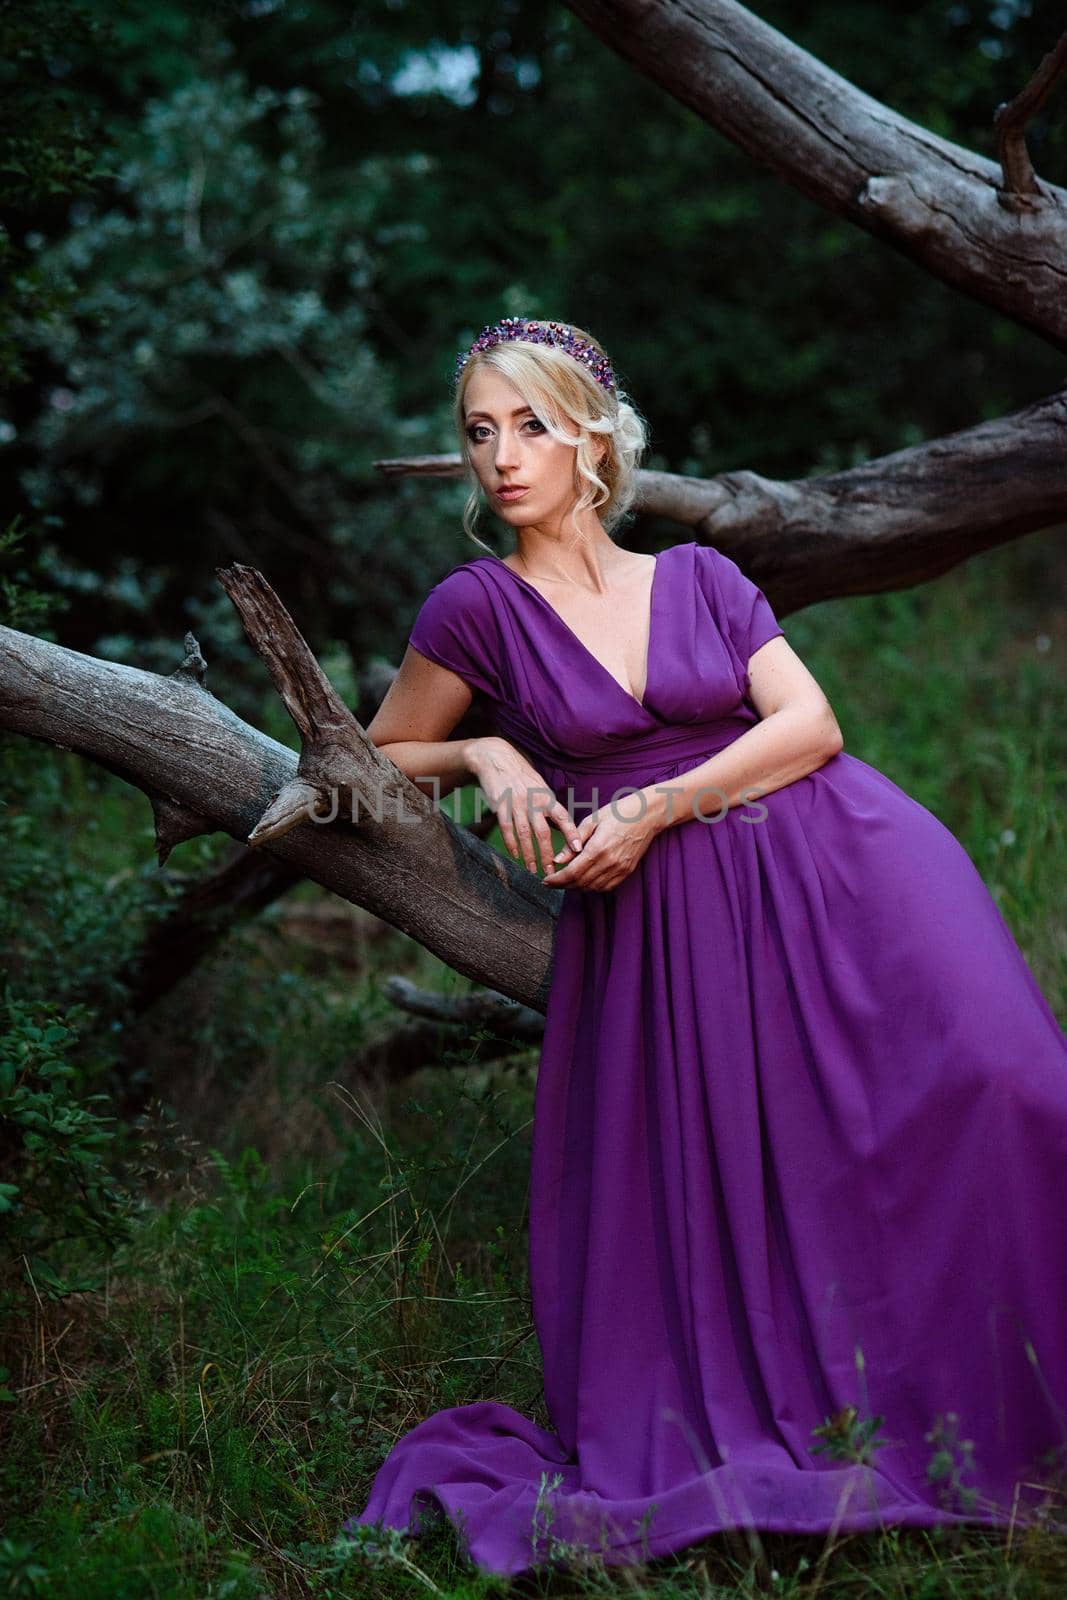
(544, 843)
(526, 840)
(576, 873)
(566, 825)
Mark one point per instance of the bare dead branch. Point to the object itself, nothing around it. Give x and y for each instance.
(1019, 187)
(211, 905)
(484, 1009)
(332, 741)
(425, 1042)
(934, 201)
(450, 466)
(206, 912)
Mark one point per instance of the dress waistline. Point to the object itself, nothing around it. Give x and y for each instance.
(646, 753)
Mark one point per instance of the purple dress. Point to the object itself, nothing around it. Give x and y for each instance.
(800, 1135)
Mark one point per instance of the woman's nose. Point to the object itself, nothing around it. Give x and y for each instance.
(507, 450)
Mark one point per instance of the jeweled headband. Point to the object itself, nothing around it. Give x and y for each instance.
(556, 333)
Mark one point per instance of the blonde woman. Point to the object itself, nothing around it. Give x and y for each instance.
(800, 1124)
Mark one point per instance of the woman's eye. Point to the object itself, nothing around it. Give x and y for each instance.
(476, 433)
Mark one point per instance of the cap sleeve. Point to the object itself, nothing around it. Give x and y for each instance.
(741, 608)
(456, 627)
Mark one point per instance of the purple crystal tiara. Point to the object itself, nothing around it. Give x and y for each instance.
(556, 333)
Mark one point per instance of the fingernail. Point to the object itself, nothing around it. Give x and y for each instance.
(559, 856)
(576, 844)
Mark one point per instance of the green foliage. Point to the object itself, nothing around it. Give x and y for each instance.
(177, 311)
(44, 140)
(235, 1381)
(213, 379)
(56, 1142)
(22, 604)
(127, 1551)
(63, 1206)
(49, 149)
(71, 913)
(952, 1457)
(847, 1436)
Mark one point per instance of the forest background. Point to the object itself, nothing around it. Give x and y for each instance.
(241, 246)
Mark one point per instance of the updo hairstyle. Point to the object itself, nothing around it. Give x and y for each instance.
(576, 410)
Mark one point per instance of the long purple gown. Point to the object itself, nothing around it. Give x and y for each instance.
(800, 1135)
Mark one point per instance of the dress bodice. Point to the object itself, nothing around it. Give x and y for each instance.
(544, 690)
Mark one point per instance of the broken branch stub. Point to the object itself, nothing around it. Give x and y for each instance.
(336, 757)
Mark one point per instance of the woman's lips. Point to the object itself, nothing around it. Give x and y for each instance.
(510, 494)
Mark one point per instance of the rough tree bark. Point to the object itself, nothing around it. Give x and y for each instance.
(205, 770)
(954, 212)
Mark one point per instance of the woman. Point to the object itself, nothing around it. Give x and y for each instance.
(801, 1116)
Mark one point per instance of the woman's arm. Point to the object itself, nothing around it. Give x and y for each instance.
(411, 726)
(797, 734)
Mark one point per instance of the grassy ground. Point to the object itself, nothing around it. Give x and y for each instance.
(313, 1263)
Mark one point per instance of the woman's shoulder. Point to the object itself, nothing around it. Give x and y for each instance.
(739, 606)
(456, 626)
(465, 581)
(458, 593)
(464, 590)
(720, 571)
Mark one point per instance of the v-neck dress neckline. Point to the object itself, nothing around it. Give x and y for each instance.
(640, 705)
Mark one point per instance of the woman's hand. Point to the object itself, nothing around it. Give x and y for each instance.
(613, 840)
(524, 803)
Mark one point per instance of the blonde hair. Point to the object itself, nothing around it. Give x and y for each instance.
(562, 391)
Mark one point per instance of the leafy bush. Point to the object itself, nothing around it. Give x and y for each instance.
(56, 1142)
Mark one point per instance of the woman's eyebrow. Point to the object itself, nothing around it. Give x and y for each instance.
(516, 413)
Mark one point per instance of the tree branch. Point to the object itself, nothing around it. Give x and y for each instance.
(442, 1021)
(931, 199)
(205, 769)
(1019, 188)
(886, 524)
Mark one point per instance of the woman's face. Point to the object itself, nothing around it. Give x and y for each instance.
(509, 445)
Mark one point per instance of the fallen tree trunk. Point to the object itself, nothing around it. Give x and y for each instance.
(205, 770)
(210, 906)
